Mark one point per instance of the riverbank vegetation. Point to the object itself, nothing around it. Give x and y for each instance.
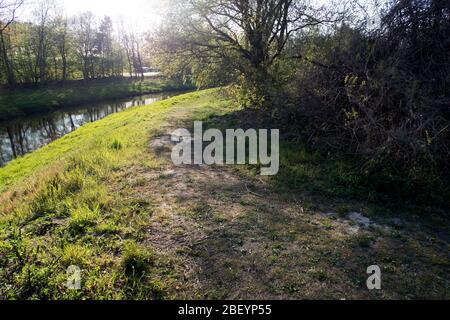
(24, 102)
(360, 93)
(107, 198)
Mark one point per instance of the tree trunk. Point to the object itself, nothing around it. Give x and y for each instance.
(7, 63)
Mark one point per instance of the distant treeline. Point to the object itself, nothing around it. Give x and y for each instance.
(54, 47)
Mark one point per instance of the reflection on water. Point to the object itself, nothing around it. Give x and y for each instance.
(22, 136)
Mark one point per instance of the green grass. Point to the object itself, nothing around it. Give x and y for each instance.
(33, 101)
(135, 260)
(63, 205)
(341, 177)
(344, 177)
(99, 146)
(98, 199)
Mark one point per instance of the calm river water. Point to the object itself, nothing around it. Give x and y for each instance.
(25, 135)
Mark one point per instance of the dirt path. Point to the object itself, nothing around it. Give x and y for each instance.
(223, 234)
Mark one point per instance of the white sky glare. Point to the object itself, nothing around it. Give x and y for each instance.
(128, 8)
(142, 14)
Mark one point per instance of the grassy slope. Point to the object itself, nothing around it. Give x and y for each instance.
(32, 101)
(64, 186)
(100, 199)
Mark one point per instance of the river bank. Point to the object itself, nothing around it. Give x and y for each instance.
(107, 199)
(29, 133)
(24, 102)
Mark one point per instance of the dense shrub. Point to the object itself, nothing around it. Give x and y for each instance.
(383, 95)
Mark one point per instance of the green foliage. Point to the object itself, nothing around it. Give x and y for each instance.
(83, 218)
(48, 49)
(135, 259)
(76, 255)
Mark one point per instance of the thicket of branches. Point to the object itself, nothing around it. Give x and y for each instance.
(384, 94)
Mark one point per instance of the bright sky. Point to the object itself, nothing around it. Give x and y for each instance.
(143, 14)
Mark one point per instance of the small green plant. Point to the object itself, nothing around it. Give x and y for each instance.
(106, 228)
(328, 224)
(82, 218)
(116, 145)
(135, 259)
(292, 288)
(16, 247)
(76, 254)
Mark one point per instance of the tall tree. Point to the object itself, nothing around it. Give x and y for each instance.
(85, 30)
(249, 35)
(42, 14)
(105, 46)
(61, 42)
(8, 10)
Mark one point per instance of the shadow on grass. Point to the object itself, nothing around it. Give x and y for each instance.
(266, 240)
(272, 246)
(338, 176)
